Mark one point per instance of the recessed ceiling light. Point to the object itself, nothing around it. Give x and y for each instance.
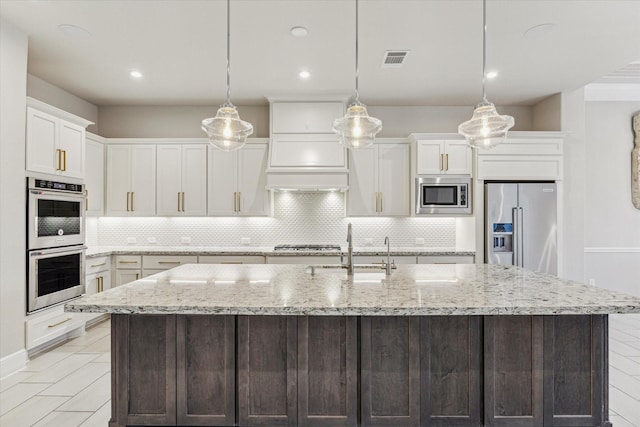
(70, 30)
(304, 74)
(539, 30)
(135, 74)
(492, 74)
(299, 32)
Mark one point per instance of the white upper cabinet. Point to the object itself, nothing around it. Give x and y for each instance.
(131, 179)
(438, 157)
(304, 117)
(94, 177)
(237, 181)
(55, 141)
(181, 179)
(379, 181)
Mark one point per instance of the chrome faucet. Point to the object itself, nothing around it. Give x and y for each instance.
(349, 265)
(387, 265)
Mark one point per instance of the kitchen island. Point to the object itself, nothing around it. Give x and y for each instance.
(430, 345)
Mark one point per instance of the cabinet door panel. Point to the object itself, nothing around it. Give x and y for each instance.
(118, 179)
(393, 179)
(574, 371)
(267, 371)
(513, 371)
(71, 141)
(430, 160)
(451, 371)
(390, 373)
(125, 276)
(457, 157)
(169, 178)
(252, 180)
(143, 180)
(42, 133)
(206, 370)
(222, 182)
(194, 179)
(363, 186)
(327, 371)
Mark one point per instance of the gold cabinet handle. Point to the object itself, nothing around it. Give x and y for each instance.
(86, 200)
(441, 162)
(128, 200)
(137, 276)
(183, 201)
(239, 202)
(231, 262)
(178, 201)
(59, 160)
(59, 323)
(100, 285)
(132, 199)
(64, 160)
(235, 202)
(447, 157)
(381, 200)
(98, 265)
(168, 262)
(127, 262)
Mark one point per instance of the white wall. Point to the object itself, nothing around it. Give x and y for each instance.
(184, 122)
(60, 98)
(13, 75)
(546, 114)
(612, 223)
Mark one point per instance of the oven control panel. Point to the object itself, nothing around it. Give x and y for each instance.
(56, 186)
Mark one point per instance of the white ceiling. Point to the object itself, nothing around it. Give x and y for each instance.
(180, 46)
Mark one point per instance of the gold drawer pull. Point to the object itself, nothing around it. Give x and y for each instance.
(231, 262)
(99, 265)
(60, 322)
(128, 262)
(168, 262)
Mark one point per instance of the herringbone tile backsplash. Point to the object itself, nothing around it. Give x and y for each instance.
(317, 218)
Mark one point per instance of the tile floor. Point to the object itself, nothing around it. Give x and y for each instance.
(69, 386)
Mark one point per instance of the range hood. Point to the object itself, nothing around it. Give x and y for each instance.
(307, 163)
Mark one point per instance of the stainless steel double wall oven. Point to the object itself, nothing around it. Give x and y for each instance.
(55, 242)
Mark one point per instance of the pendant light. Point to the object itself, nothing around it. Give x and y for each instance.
(487, 128)
(226, 131)
(357, 129)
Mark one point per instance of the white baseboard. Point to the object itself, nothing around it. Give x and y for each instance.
(625, 250)
(13, 363)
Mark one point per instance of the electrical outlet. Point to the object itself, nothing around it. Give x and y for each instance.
(151, 240)
(245, 240)
(592, 282)
(131, 240)
(420, 241)
(368, 241)
(185, 240)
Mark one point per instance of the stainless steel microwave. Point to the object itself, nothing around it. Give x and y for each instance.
(443, 195)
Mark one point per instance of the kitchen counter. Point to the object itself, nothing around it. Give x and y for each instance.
(411, 290)
(291, 345)
(267, 251)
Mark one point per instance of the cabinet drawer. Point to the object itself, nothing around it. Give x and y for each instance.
(446, 259)
(128, 261)
(98, 264)
(49, 325)
(231, 259)
(165, 262)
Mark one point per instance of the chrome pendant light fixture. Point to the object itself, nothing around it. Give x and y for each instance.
(357, 129)
(487, 128)
(226, 131)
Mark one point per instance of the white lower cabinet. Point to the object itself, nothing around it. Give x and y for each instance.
(128, 268)
(50, 324)
(98, 279)
(446, 259)
(231, 259)
(126, 276)
(152, 264)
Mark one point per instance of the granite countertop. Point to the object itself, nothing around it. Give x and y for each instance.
(267, 251)
(411, 290)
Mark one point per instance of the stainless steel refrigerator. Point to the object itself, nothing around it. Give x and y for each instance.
(521, 225)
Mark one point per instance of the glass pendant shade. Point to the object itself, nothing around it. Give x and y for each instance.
(226, 131)
(357, 129)
(487, 128)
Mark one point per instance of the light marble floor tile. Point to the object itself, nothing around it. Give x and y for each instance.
(61, 369)
(46, 360)
(91, 336)
(31, 411)
(618, 421)
(14, 379)
(625, 364)
(623, 349)
(19, 393)
(102, 345)
(77, 380)
(620, 335)
(63, 419)
(624, 405)
(106, 358)
(101, 417)
(625, 383)
(92, 397)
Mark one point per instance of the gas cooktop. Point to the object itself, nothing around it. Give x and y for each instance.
(303, 248)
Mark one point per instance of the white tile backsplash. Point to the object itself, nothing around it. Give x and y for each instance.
(316, 218)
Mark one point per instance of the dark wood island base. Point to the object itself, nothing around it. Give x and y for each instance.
(217, 370)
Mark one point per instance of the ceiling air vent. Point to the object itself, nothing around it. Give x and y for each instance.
(394, 58)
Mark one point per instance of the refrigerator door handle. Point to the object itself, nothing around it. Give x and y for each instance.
(516, 236)
(520, 237)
